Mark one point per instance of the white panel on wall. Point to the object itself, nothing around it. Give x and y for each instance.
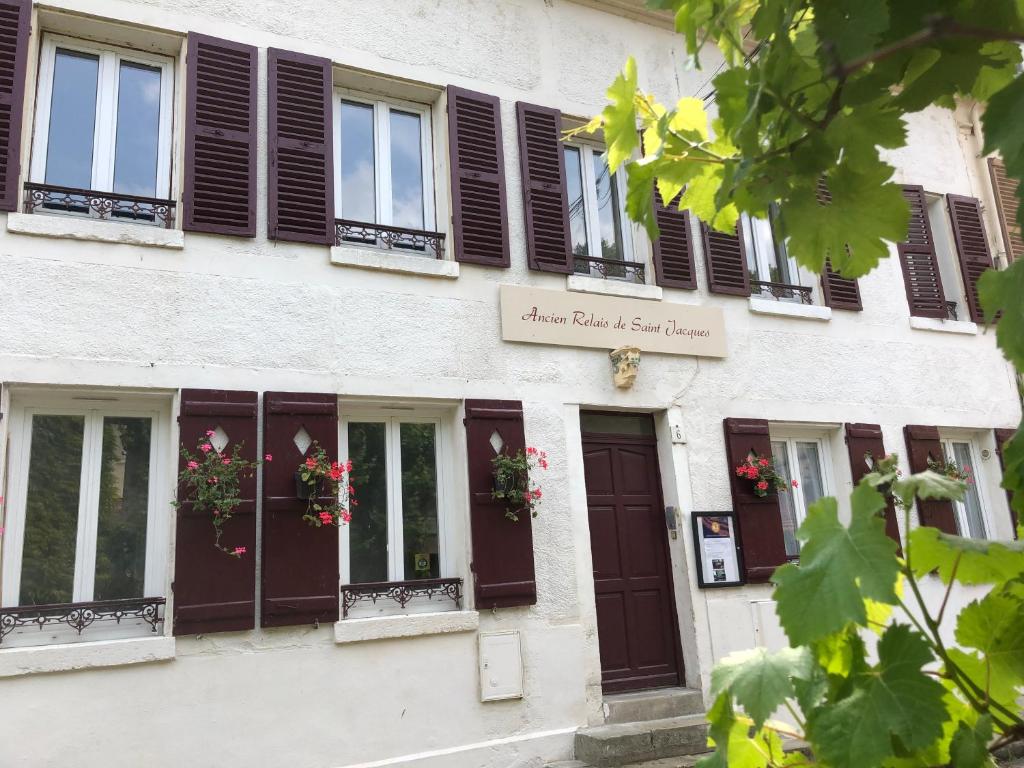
(732, 628)
(501, 666)
(769, 632)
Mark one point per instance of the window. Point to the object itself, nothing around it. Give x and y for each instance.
(397, 532)
(85, 520)
(773, 272)
(103, 124)
(805, 460)
(946, 256)
(384, 169)
(970, 512)
(597, 217)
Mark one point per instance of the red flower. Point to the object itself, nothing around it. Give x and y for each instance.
(225, 462)
(763, 485)
(752, 473)
(326, 518)
(311, 462)
(193, 465)
(763, 462)
(796, 484)
(346, 517)
(531, 451)
(268, 457)
(239, 551)
(205, 447)
(536, 493)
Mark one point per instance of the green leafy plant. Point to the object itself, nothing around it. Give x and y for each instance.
(326, 478)
(760, 471)
(952, 470)
(513, 482)
(212, 483)
(915, 701)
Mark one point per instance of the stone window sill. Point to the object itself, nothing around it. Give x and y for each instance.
(405, 625)
(67, 657)
(606, 287)
(75, 228)
(389, 261)
(786, 309)
(965, 327)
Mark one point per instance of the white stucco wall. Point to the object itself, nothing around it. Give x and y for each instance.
(252, 314)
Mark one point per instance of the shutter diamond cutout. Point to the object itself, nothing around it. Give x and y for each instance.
(219, 439)
(496, 442)
(302, 440)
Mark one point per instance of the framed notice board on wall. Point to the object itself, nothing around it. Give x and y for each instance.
(715, 542)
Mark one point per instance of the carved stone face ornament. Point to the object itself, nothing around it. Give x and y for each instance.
(625, 366)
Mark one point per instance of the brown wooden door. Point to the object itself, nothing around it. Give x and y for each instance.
(636, 621)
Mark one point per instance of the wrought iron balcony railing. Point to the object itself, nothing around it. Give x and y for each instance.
(617, 269)
(393, 238)
(782, 291)
(79, 616)
(111, 206)
(401, 592)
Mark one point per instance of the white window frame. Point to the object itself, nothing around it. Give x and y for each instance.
(105, 129)
(958, 506)
(442, 455)
(590, 206)
(792, 436)
(762, 261)
(94, 408)
(383, 211)
(946, 254)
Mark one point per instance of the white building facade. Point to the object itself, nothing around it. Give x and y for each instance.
(317, 226)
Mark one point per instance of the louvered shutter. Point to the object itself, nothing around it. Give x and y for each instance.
(837, 291)
(923, 444)
(502, 564)
(760, 518)
(15, 18)
(971, 246)
(300, 148)
(726, 261)
(919, 262)
(545, 199)
(220, 137)
(1002, 438)
(865, 446)
(479, 211)
(214, 592)
(1005, 189)
(672, 249)
(300, 562)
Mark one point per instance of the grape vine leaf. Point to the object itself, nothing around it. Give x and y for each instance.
(995, 626)
(760, 681)
(892, 699)
(969, 748)
(977, 561)
(839, 567)
(734, 745)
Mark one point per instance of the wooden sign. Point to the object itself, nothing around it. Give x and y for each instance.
(542, 316)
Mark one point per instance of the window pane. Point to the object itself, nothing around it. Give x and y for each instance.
(780, 458)
(971, 505)
(406, 171)
(368, 531)
(358, 196)
(617, 423)
(419, 501)
(138, 130)
(577, 206)
(608, 211)
(812, 485)
(72, 120)
(124, 503)
(51, 510)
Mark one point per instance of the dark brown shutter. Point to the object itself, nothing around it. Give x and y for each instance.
(864, 444)
(15, 18)
(760, 519)
(971, 246)
(502, 549)
(545, 199)
(837, 291)
(923, 444)
(300, 562)
(300, 148)
(919, 262)
(1002, 438)
(479, 216)
(672, 249)
(220, 137)
(726, 262)
(1005, 189)
(214, 592)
